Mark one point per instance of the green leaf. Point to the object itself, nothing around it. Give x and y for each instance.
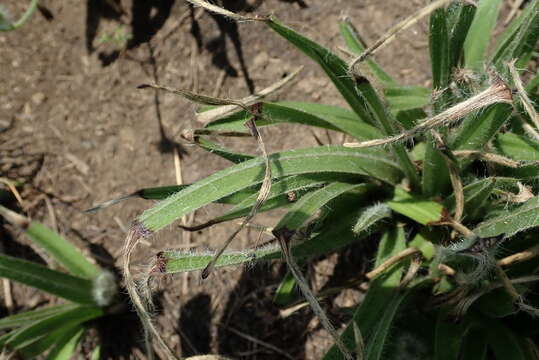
(307, 206)
(370, 216)
(310, 114)
(285, 293)
(435, 179)
(423, 244)
(60, 284)
(416, 208)
(517, 147)
(27, 317)
(61, 250)
(533, 83)
(96, 354)
(40, 328)
(448, 337)
(376, 313)
(311, 160)
(41, 344)
(480, 33)
(66, 346)
(519, 38)
(503, 342)
(223, 152)
(337, 225)
(496, 303)
(477, 193)
(7, 25)
(388, 125)
(162, 192)
(511, 221)
(463, 14)
(297, 185)
(479, 128)
(336, 233)
(355, 45)
(335, 67)
(474, 346)
(439, 49)
(435, 175)
(401, 98)
(159, 193)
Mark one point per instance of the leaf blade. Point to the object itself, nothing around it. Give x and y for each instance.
(383, 294)
(60, 284)
(238, 177)
(511, 221)
(479, 34)
(335, 67)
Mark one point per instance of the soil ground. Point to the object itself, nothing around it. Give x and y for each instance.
(77, 132)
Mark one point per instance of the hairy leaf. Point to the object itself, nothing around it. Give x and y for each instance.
(293, 112)
(241, 176)
(335, 67)
(511, 221)
(356, 46)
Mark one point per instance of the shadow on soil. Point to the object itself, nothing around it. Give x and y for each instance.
(249, 316)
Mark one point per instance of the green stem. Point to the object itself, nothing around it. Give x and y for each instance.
(24, 18)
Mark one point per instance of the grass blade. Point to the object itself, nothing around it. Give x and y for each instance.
(479, 128)
(520, 38)
(163, 192)
(307, 206)
(435, 179)
(355, 45)
(480, 33)
(286, 291)
(439, 49)
(280, 193)
(533, 83)
(223, 152)
(27, 317)
(511, 221)
(464, 15)
(475, 196)
(416, 208)
(402, 98)
(61, 250)
(383, 296)
(66, 346)
(474, 346)
(388, 125)
(448, 337)
(65, 319)
(311, 160)
(335, 67)
(36, 348)
(380, 336)
(335, 235)
(517, 147)
(96, 354)
(60, 284)
(503, 342)
(322, 116)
